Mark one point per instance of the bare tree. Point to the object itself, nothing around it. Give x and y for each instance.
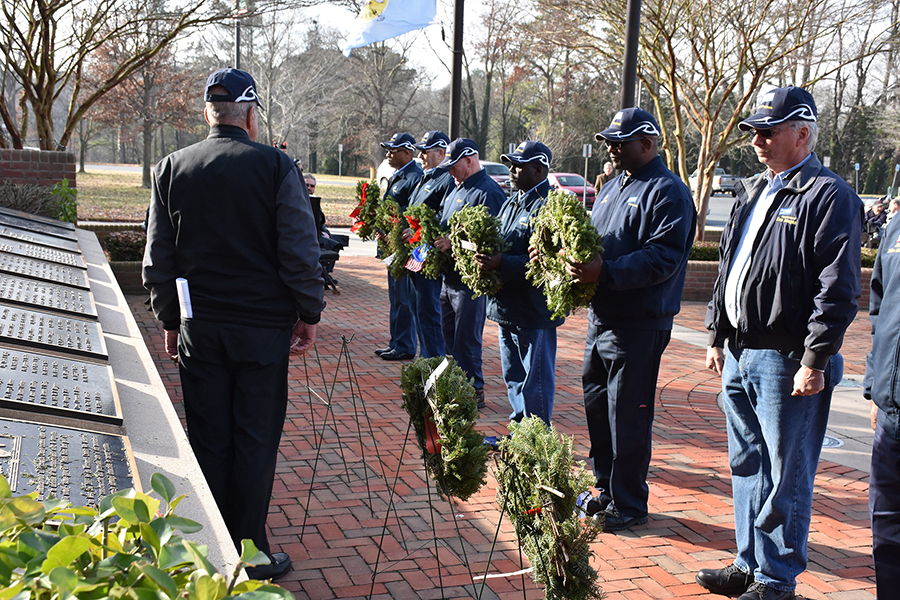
(704, 63)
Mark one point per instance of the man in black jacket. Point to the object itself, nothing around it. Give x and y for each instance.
(232, 265)
(789, 276)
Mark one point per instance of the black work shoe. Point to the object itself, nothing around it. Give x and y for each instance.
(597, 504)
(278, 568)
(729, 581)
(760, 591)
(613, 520)
(394, 355)
(381, 351)
(479, 398)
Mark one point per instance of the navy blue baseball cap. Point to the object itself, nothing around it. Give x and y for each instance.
(527, 152)
(433, 139)
(789, 103)
(400, 140)
(240, 86)
(458, 148)
(629, 123)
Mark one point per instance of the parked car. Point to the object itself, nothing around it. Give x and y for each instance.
(722, 182)
(499, 173)
(574, 184)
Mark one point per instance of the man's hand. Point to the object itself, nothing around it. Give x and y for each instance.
(489, 263)
(808, 382)
(303, 336)
(533, 254)
(585, 272)
(715, 359)
(407, 233)
(873, 414)
(172, 343)
(441, 243)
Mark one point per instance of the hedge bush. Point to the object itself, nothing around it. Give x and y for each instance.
(125, 245)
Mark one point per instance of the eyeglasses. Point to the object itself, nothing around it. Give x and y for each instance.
(766, 133)
(618, 145)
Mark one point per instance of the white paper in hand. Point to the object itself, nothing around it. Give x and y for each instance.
(184, 298)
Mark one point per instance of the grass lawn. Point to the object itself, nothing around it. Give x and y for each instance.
(118, 196)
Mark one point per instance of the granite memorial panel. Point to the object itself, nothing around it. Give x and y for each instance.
(71, 259)
(43, 331)
(43, 295)
(41, 239)
(75, 465)
(43, 270)
(37, 226)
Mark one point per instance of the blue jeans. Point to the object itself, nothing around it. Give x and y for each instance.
(402, 327)
(462, 322)
(528, 358)
(619, 379)
(774, 441)
(884, 506)
(425, 295)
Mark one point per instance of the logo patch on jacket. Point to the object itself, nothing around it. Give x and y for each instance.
(605, 198)
(896, 247)
(633, 201)
(786, 216)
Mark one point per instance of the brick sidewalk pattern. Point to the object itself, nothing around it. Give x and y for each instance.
(329, 514)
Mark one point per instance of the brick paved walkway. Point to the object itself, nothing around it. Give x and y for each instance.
(333, 532)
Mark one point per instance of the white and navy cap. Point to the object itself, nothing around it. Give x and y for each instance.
(458, 148)
(240, 86)
(629, 123)
(528, 152)
(789, 103)
(433, 139)
(400, 140)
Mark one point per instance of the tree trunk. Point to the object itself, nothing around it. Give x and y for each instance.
(147, 129)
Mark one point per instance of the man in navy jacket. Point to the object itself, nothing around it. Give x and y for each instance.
(647, 219)
(527, 332)
(789, 276)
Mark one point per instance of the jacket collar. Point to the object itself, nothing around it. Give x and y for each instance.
(798, 181)
(227, 131)
(538, 192)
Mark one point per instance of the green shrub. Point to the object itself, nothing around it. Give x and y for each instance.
(705, 251)
(65, 202)
(125, 245)
(868, 257)
(32, 199)
(129, 548)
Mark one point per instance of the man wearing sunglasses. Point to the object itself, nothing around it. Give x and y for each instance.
(647, 220)
(789, 276)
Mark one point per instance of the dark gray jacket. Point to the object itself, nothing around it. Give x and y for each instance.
(233, 218)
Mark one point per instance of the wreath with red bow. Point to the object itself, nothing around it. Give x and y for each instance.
(368, 195)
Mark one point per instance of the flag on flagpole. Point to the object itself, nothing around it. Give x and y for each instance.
(380, 20)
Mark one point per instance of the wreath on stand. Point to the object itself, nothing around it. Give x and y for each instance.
(442, 408)
(563, 233)
(425, 227)
(473, 230)
(538, 484)
(367, 199)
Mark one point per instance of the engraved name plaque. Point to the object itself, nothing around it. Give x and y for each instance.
(39, 238)
(74, 465)
(25, 327)
(37, 218)
(42, 253)
(41, 269)
(45, 228)
(58, 386)
(39, 294)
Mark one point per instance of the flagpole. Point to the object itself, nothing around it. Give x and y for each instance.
(629, 62)
(456, 70)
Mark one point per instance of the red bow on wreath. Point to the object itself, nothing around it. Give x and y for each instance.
(417, 230)
(362, 201)
(356, 226)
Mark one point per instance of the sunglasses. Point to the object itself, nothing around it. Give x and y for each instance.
(766, 133)
(618, 145)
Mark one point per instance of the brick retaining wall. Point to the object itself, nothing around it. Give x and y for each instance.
(40, 167)
(701, 277)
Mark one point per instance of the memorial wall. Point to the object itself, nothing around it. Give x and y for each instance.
(83, 412)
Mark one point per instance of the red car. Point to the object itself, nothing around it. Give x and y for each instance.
(574, 184)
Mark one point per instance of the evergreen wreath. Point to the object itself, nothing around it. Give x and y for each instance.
(474, 227)
(563, 233)
(426, 228)
(457, 459)
(368, 195)
(387, 228)
(538, 483)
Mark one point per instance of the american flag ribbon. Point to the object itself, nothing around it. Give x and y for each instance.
(417, 258)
